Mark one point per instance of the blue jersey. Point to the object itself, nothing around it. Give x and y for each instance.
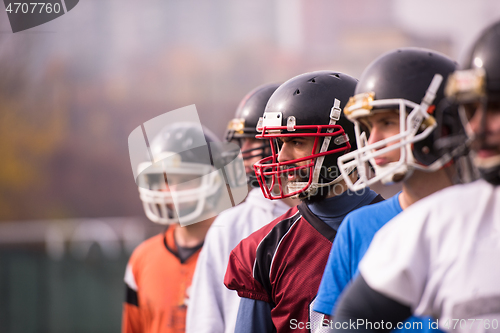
(350, 245)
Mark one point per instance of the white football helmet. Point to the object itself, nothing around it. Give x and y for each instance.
(180, 186)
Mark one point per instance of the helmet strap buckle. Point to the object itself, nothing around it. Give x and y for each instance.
(334, 117)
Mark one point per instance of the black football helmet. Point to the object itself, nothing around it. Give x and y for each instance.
(410, 80)
(306, 105)
(244, 125)
(477, 86)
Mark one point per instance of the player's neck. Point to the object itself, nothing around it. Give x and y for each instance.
(341, 186)
(193, 234)
(291, 202)
(422, 184)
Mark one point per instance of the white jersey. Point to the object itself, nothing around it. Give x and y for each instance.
(441, 257)
(212, 307)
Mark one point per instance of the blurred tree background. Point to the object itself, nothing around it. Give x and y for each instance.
(72, 89)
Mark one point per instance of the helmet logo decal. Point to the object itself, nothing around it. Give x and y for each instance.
(359, 101)
(466, 85)
(237, 125)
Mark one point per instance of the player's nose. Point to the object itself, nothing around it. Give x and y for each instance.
(376, 135)
(166, 187)
(475, 121)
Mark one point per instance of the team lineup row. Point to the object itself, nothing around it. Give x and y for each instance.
(312, 243)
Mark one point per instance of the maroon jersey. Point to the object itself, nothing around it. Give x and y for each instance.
(282, 264)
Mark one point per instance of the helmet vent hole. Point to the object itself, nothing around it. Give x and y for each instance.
(336, 75)
(297, 92)
(312, 80)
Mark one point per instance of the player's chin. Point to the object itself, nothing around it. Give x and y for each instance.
(292, 180)
(486, 158)
(487, 153)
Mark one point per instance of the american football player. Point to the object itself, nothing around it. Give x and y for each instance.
(277, 269)
(178, 187)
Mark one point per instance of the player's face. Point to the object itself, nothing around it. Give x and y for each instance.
(487, 143)
(294, 148)
(380, 126)
(176, 183)
(251, 156)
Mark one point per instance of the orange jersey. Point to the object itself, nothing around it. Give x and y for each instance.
(157, 284)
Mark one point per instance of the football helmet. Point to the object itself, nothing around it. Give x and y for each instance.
(410, 81)
(244, 125)
(182, 184)
(477, 84)
(308, 105)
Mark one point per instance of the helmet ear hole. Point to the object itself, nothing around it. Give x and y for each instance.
(450, 132)
(424, 152)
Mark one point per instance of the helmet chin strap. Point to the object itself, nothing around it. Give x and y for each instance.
(400, 173)
(395, 176)
(489, 168)
(311, 190)
(295, 186)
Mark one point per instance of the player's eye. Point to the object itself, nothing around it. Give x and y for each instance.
(365, 126)
(389, 122)
(470, 109)
(279, 143)
(494, 106)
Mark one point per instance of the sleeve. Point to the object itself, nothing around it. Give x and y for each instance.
(239, 274)
(397, 261)
(131, 318)
(254, 317)
(205, 312)
(337, 272)
(361, 309)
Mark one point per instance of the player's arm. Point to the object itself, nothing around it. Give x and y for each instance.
(254, 317)
(131, 318)
(254, 313)
(361, 305)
